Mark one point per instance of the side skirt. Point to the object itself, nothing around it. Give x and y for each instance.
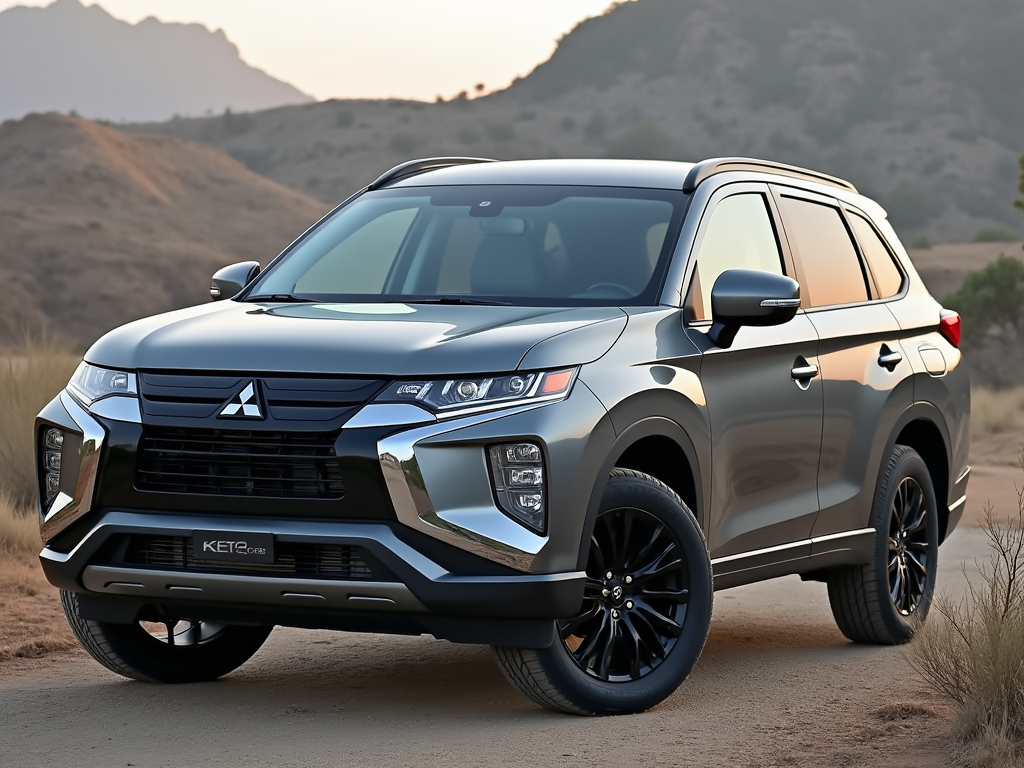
(808, 555)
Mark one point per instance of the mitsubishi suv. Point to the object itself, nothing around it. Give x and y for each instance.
(551, 406)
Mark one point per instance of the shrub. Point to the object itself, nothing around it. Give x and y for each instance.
(989, 298)
(644, 142)
(972, 653)
(996, 234)
(596, 126)
(30, 376)
(923, 242)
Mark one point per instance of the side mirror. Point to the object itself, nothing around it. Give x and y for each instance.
(750, 297)
(227, 282)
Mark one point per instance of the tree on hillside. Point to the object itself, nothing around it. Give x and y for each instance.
(1019, 202)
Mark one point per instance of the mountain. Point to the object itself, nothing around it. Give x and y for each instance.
(67, 57)
(98, 227)
(919, 104)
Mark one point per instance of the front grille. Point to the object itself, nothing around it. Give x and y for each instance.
(223, 462)
(305, 561)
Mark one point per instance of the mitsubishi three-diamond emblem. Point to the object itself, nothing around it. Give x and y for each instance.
(244, 405)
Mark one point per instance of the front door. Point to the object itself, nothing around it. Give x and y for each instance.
(764, 397)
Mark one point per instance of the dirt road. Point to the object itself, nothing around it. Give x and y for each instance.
(777, 685)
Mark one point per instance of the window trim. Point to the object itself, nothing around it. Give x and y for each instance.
(851, 210)
(797, 193)
(718, 196)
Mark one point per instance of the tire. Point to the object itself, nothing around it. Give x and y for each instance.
(130, 650)
(869, 602)
(605, 661)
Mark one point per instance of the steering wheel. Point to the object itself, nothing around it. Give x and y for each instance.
(616, 288)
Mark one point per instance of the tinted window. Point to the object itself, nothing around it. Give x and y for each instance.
(739, 235)
(518, 244)
(887, 276)
(830, 271)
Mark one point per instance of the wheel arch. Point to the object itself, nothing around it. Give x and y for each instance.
(922, 428)
(659, 447)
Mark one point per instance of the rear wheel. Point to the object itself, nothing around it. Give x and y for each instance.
(645, 613)
(882, 601)
(175, 651)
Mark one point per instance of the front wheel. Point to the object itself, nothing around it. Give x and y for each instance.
(176, 651)
(646, 609)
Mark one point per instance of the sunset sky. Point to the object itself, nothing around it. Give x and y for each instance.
(377, 48)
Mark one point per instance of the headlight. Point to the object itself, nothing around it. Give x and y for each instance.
(481, 393)
(90, 383)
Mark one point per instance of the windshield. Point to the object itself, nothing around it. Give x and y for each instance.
(518, 245)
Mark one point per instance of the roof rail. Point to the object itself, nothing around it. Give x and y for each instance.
(708, 168)
(414, 167)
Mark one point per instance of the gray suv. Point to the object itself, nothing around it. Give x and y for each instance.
(549, 406)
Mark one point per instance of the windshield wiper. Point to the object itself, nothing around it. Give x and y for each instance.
(290, 298)
(461, 300)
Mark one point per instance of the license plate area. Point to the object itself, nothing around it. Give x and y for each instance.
(232, 546)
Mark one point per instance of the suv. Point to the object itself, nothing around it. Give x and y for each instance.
(549, 406)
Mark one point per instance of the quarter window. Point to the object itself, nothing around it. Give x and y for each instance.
(888, 278)
(739, 235)
(830, 271)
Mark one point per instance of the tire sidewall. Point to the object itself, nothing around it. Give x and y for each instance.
(908, 463)
(582, 689)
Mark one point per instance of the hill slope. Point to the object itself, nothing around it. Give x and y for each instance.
(98, 228)
(71, 57)
(920, 107)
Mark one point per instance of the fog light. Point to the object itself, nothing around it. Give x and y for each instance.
(54, 438)
(517, 474)
(53, 441)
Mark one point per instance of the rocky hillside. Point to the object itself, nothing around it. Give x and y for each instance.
(98, 227)
(71, 57)
(920, 106)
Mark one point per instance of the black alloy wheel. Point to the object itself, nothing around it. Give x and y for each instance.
(886, 599)
(908, 547)
(165, 651)
(645, 613)
(635, 599)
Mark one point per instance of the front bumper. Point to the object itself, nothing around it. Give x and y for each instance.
(419, 595)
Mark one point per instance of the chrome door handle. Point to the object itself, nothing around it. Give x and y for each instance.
(889, 359)
(804, 372)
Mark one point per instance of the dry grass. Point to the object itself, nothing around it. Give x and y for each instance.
(19, 528)
(30, 375)
(972, 653)
(995, 411)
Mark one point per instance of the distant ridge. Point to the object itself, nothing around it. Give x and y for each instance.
(68, 56)
(98, 227)
(919, 104)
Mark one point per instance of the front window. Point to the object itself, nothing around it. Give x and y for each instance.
(523, 245)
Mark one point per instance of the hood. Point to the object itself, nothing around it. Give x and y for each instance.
(357, 339)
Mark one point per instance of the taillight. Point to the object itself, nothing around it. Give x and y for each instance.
(949, 326)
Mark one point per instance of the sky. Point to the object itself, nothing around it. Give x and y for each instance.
(377, 48)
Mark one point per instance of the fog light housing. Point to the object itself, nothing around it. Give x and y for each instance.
(517, 475)
(53, 442)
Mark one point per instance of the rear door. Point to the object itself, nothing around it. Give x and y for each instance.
(865, 377)
(765, 424)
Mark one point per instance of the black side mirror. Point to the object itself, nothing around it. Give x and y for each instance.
(227, 282)
(750, 297)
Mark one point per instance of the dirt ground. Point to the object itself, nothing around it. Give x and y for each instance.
(777, 685)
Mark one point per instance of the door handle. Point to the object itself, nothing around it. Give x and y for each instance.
(803, 372)
(889, 359)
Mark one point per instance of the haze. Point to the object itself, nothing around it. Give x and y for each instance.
(386, 48)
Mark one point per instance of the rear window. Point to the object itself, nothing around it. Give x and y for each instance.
(888, 278)
(511, 244)
(828, 265)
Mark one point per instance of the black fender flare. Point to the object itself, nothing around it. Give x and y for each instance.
(651, 426)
